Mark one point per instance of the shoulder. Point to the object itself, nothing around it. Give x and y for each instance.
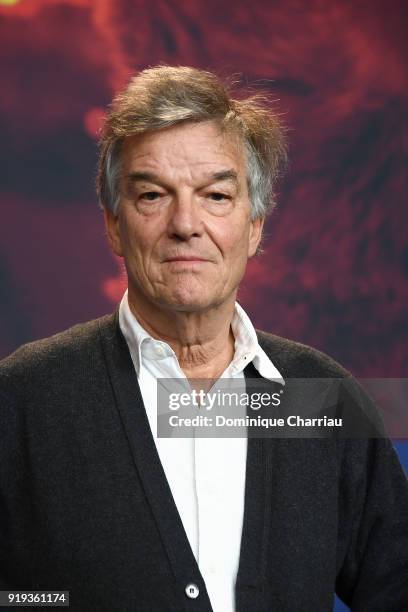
(42, 359)
(297, 360)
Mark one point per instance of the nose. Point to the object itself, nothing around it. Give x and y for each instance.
(184, 217)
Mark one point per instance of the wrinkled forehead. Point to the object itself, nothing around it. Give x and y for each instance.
(194, 147)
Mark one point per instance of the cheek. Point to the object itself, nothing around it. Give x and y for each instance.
(140, 252)
(235, 240)
(229, 234)
(134, 241)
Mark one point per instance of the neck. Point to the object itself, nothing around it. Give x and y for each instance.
(202, 341)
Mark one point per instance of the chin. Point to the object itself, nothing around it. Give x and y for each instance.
(187, 301)
(187, 305)
(188, 296)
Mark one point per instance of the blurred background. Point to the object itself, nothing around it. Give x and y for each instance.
(335, 266)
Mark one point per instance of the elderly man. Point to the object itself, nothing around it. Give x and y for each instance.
(93, 501)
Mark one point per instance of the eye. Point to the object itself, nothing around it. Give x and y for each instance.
(150, 196)
(216, 196)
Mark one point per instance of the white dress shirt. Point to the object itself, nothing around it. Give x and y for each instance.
(206, 475)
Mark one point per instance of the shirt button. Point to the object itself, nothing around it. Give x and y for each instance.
(159, 351)
(192, 590)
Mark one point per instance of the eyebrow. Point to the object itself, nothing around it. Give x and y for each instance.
(151, 177)
(225, 175)
(144, 176)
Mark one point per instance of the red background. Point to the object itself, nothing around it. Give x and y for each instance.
(334, 271)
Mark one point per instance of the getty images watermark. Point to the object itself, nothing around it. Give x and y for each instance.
(263, 408)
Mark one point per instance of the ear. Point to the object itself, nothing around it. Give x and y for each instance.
(113, 231)
(255, 235)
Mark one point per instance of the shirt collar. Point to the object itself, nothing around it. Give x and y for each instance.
(247, 347)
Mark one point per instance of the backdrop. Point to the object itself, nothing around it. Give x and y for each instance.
(334, 271)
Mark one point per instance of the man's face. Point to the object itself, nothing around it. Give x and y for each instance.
(183, 225)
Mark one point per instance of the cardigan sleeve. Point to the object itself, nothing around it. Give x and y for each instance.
(10, 472)
(15, 510)
(373, 511)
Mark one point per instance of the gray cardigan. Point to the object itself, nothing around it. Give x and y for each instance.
(85, 505)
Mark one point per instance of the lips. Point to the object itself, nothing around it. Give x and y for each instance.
(185, 258)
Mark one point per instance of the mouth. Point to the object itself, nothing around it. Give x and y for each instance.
(186, 259)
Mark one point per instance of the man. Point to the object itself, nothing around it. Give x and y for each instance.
(93, 500)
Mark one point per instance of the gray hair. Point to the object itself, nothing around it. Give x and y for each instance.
(164, 96)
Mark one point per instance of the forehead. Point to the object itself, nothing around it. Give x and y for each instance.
(194, 147)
